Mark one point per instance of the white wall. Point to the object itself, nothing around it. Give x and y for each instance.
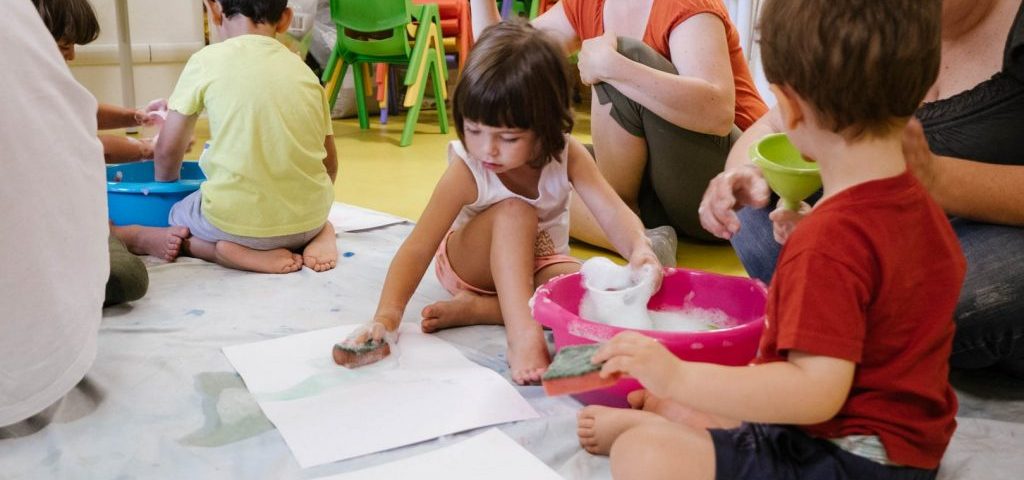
(164, 34)
(744, 16)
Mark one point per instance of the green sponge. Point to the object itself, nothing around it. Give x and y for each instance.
(573, 361)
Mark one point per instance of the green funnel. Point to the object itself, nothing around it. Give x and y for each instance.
(787, 172)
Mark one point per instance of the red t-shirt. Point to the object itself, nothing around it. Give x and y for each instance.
(587, 19)
(872, 276)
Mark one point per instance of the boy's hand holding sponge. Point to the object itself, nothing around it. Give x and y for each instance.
(572, 371)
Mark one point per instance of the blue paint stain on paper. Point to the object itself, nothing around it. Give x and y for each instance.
(348, 254)
(196, 312)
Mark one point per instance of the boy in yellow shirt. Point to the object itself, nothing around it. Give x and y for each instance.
(271, 163)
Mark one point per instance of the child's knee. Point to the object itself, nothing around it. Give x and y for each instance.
(515, 208)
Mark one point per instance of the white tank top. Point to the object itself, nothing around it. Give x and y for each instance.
(552, 202)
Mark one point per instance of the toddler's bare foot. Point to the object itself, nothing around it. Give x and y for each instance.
(528, 356)
(321, 254)
(676, 412)
(597, 427)
(279, 260)
(465, 308)
(163, 243)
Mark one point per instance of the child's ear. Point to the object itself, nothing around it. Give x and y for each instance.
(790, 106)
(285, 21)
(216, 13)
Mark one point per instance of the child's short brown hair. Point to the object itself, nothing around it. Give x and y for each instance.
(864, 65)
(69, 20)
(516, 77)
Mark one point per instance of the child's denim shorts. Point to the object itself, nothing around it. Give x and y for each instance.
(757, 451)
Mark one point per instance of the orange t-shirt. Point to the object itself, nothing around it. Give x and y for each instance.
(586, 17)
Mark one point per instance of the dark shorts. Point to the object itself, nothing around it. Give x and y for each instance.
(758, 451)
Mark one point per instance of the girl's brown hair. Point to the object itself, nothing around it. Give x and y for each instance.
(516, 77)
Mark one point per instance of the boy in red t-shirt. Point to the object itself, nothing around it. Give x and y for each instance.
(851, 376)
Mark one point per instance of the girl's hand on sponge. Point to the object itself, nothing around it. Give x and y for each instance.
(643, 358)
(372, 331)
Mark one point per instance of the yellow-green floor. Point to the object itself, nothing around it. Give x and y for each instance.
(374, 172)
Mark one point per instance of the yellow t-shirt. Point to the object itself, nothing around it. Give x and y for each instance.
(268, 119)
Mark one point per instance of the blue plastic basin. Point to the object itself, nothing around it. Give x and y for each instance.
(135, 199)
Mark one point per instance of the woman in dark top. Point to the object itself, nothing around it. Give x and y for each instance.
(970, 156)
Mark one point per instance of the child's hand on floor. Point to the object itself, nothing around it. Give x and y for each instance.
(642, 358)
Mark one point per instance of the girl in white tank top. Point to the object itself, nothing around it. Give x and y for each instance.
(498, 218)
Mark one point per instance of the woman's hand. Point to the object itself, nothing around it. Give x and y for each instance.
(596, 57)
(729, 191)
(920, 159)
(643, 358)
(785, 220)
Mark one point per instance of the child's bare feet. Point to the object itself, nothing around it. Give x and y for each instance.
(279, 260)
(465, 308)
(676, 412)
(527, 356)
(163, 243)
(597, 427)
(321, 254)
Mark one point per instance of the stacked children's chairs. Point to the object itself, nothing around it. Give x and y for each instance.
(455, 27)
(379, 31)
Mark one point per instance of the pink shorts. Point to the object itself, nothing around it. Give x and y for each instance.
(454, 284)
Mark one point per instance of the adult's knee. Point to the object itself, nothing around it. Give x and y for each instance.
(755, 243)
(643, 53)
(128, 279)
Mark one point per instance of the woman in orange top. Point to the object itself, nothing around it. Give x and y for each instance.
(665, 108)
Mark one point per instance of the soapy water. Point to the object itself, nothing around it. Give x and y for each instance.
(618, 296)
(690, 319)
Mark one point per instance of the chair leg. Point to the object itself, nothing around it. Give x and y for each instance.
(439, 97)
(418, 88)
(357, 75)
(334, 84)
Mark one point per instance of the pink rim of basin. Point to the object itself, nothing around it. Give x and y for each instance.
(556, 306)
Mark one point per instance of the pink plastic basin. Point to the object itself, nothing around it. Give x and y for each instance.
(556, 306)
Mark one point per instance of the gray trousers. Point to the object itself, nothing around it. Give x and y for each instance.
(680, 162)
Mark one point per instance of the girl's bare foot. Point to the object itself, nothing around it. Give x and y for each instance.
(528, 356)
(465, 308)
(676, 412)
(279, 260)
(597, 427)
(163, 243)
(321, 254)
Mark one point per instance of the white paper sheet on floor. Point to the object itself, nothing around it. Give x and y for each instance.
(491, 455)
(424, 389)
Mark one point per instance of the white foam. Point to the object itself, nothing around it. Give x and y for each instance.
(689, 319)
(616, 295)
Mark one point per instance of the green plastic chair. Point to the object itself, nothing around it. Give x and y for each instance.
(377, 31)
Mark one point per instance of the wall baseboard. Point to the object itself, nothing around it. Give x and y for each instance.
(142, 53)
